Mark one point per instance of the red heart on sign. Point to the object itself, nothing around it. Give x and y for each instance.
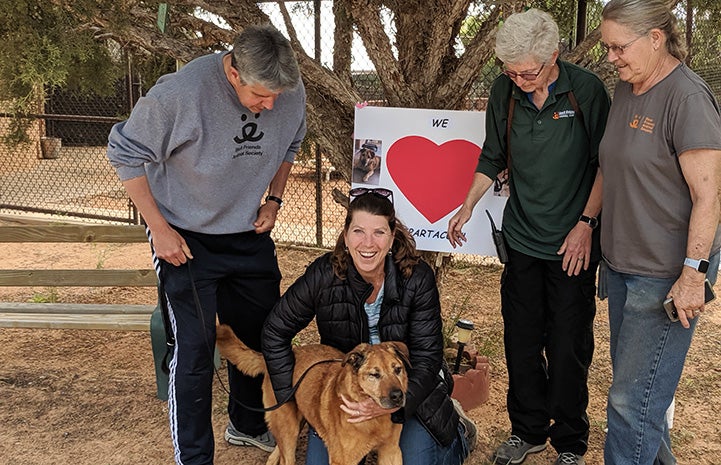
(434, 178)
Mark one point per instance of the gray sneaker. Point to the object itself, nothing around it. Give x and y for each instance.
(469, 428)
(514, 450)
(264, 441)
(569, 458)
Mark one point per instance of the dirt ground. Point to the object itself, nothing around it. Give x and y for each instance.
(88, 397)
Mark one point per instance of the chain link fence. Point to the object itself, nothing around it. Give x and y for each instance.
(62, 171)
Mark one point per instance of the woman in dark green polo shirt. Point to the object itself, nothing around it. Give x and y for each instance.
(550, 147)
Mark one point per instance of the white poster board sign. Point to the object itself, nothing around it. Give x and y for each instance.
(428, 159)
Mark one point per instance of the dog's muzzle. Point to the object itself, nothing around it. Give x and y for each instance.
(396, 398)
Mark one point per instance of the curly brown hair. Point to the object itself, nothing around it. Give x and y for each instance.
(403, 249)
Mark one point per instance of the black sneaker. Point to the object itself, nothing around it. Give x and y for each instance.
(264, 441)
(569, 458)
(515, 450)
(469, 428)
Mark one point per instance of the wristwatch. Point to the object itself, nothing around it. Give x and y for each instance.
(591, 221)
(278, 200)
(699, 265)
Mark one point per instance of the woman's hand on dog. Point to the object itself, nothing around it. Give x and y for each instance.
(364, 410)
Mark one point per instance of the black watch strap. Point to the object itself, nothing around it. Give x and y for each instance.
(591, 221)
(273, 198)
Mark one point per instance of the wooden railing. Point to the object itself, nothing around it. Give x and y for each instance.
(75, 316)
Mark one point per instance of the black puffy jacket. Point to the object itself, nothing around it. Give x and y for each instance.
(410, 312)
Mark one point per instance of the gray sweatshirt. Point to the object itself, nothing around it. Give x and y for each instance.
(208, 159)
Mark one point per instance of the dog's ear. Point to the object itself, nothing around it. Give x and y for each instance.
(401, 350)
(356, 357)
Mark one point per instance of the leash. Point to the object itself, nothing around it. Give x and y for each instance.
(199, 310)
(167, 328)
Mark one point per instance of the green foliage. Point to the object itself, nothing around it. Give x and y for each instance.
(42, 47)
(48, 297)
(489, 340)
(102, 256)
(449, 324)
(150, 67)
(706, 42)
(471, 26)
(17, 129)
(564, 12)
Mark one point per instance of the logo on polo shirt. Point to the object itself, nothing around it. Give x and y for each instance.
(564, 114)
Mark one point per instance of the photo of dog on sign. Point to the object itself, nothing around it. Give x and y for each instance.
(367, 161)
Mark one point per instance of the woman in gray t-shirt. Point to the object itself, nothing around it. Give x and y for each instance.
(660, 159)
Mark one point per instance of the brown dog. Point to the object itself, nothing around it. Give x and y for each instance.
(367, 161)
(375, 371)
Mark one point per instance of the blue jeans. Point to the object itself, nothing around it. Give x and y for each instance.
(648, 352)
(417, 447)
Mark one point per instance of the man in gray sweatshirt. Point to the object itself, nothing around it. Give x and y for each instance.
(197, 156)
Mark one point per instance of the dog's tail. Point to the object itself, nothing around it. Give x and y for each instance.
(243, 357)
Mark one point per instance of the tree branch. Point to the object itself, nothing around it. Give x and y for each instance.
(342, 41)
(440, 48)
(370, 28)
(455, 88)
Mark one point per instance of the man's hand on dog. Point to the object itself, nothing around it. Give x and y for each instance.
(364, 410)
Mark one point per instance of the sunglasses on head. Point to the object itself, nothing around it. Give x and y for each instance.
(379, 191)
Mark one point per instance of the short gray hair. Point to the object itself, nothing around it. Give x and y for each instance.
(531, 34)
(263, 56)
(640, 16)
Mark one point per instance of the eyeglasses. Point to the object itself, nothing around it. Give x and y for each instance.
(525, 75)
(618, 49)
(379, 191)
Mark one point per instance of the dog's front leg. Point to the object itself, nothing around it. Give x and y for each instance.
(345, 459)
(389, 452)
(390, 455)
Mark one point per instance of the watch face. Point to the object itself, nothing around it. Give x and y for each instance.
(702, 266)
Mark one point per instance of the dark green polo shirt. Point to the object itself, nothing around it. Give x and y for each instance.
(554, 158)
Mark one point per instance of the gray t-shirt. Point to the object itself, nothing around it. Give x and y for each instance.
(646, 201)
(208, 159)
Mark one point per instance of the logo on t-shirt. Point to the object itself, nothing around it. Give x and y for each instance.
(642, 123)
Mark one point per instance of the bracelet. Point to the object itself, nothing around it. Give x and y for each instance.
(278, 200)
